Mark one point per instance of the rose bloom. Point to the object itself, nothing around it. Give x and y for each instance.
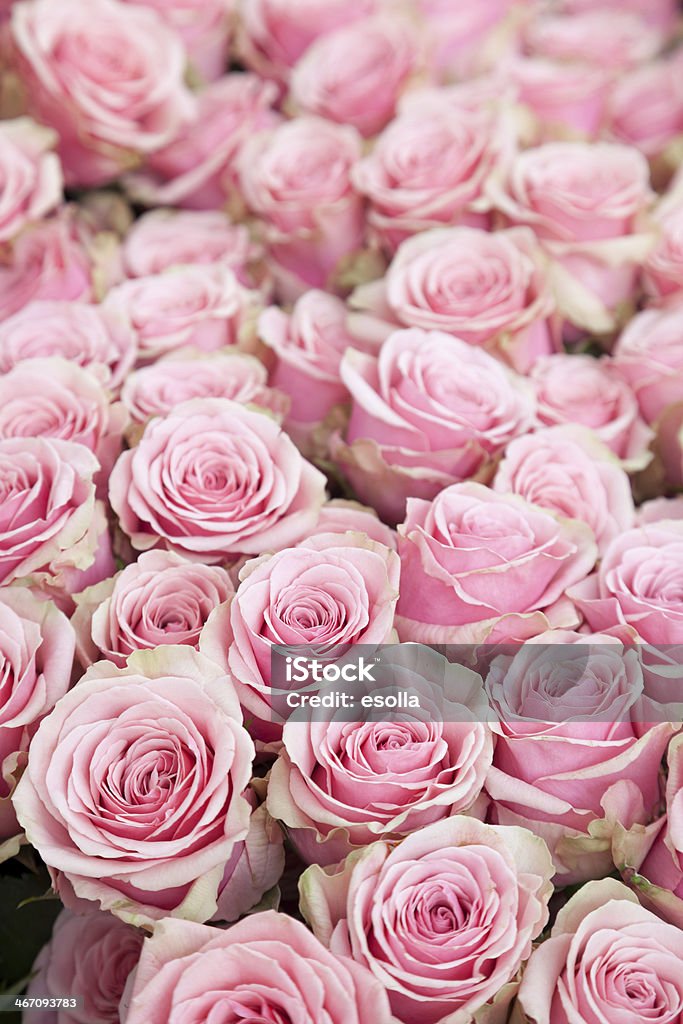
(661, 13)
(273, 34)
(646, 107)
(204, 27)
(162, 239)
(428, 169)
(607, 958)
(648, 356)
(36, 656)
(427, 412)
(308, 345)
(107, 78)
(157, 389)
(444, 919)
(578, 389)
(568, 470)
(613, 39)
(488, 289)
(160, 599)
(196, 306)
(297, 180)
(89, 956)
(478, 565)
(342, 516)
(663, 268)
(637, 585)
(339, 785)
(268, 965)
(133, 790)
(467, 40)
(197, 169)
(30, 172)
(563, 97)
(569, 762)
(330, 591)
(214, 479)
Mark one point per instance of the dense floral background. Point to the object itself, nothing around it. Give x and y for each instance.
(341, 323)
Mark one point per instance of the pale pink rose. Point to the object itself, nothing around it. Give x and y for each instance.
(89, 956)
(427, 412)
(134, 785)
(605, 37)
(107, 78)
(607, 959)
(660, 508)
(578, 389)
(308, 345)
(338, 784)
(429, 169)
(356, 74)
(214, 479)
(202, 307)
(36, 656)
(30, 175)
(445, 919)
(486, 93)
(586, 203)
(160, 599)
(637, 584)
(204, 27)
(255, 867)
(341, 516)
(157, 389)
(197, 169)
(466, 39)
(478, 565)
(569, 762)
(659, 879)
(563, 97)
(297, 180)
(267, 966)
(648, 356)
(162, 239)
(331, 590)
(273, 34)
(663, 268)
(487, 289)
(49, 521)
(568, 470)
(646, 107)
(660, 13)
(96, 338)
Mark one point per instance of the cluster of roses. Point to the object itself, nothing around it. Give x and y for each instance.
(430, 251)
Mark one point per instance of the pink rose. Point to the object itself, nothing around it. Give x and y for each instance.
(31, 175)
(578, 389)
(157, 389)
(89, 956)
(197, 169)
(107, 78)
(160, 599)
(196, 306)
(646, 107)
(339, 784)
(428, 169)
(273, 34)
(297, 179)
(427, 412)
(330, 591)
(134, 782)
(660, 13)
(36, 655)
(608, 38)
(204, 28)
(636, 584)
(162, 239)
(308, 345)
(267, 966)
(341, 516)
(466, 41)
(607, 959)
(476, 565)
(648, 356)
(255, 867)
(213, 479)
(487, 289)
(569, 762)
(563, 97)
(585, 202)
(663, 268)
(445, 919)
(97, 338)
(567, 470)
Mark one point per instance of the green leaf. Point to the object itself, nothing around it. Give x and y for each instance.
(26, 920)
